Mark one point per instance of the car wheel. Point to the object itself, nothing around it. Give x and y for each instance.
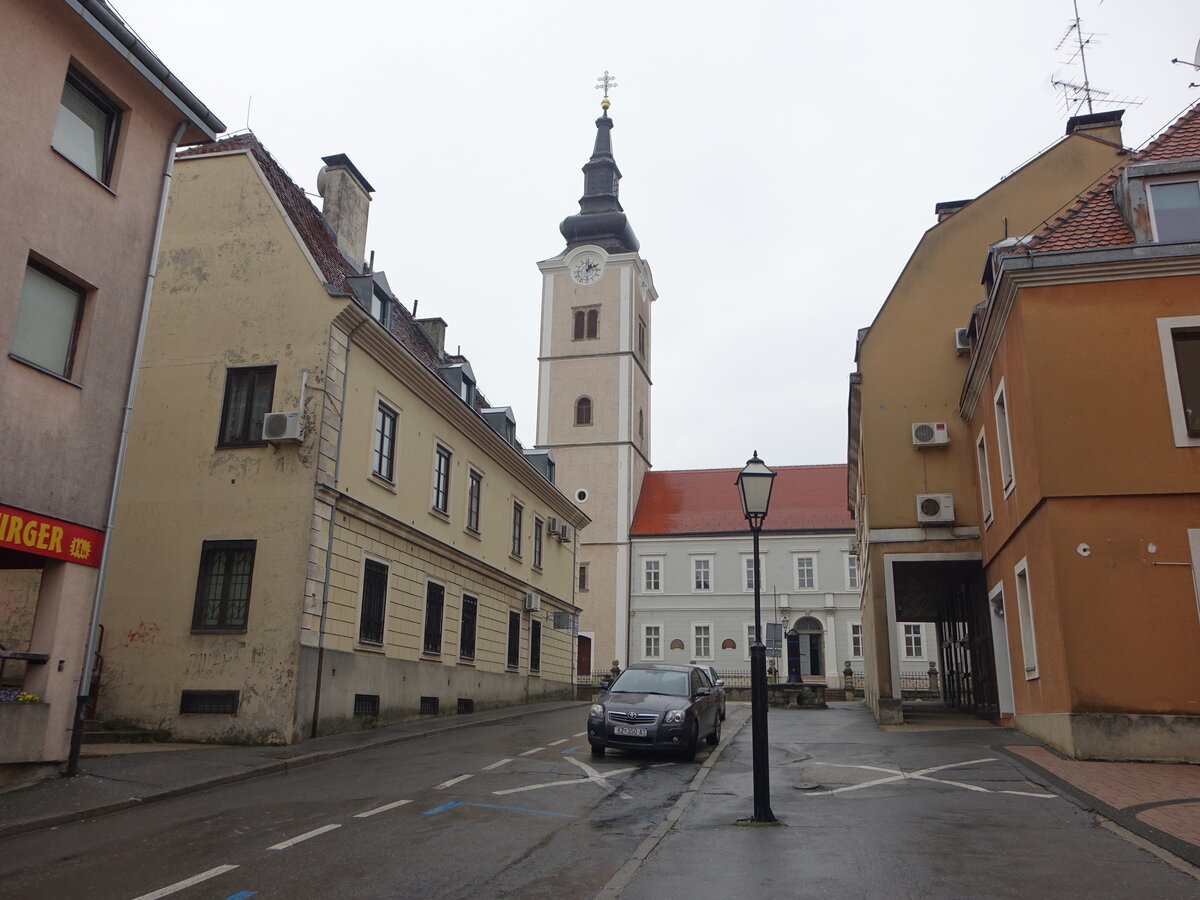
(689, 752)
(715, 737)
(597, 749)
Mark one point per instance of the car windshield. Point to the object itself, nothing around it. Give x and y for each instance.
(651, 681)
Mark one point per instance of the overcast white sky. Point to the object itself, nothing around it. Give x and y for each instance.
(780, 162)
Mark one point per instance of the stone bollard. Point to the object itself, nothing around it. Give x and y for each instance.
(933, 676)
(848, 680)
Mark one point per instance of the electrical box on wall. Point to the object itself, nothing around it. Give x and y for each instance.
(935, 509)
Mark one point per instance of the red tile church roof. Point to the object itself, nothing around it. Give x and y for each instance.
(706, 501)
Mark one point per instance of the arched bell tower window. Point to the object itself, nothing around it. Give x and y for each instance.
(583, 411)
(586, 324)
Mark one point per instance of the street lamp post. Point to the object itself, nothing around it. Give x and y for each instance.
(754, 484)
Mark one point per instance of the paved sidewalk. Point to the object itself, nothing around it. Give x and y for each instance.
(117, 776)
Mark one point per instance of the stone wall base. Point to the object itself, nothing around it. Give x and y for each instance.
(1119, 736)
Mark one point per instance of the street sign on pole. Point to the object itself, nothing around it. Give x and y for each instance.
(774, 640)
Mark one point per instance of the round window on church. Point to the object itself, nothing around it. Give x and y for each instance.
(581, 495)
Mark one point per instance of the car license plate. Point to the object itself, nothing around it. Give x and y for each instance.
(630, 731)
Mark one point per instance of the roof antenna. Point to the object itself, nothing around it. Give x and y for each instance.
(1195, 64)
(1076, 95)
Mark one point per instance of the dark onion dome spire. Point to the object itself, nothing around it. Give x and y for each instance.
(601, 219)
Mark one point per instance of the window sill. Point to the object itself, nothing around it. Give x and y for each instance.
(377, 649)
(439, 514)
(51, 373)
(469, 663)
(218, 631)
(376, 478)
(516, 558)
(78, 168)
(242, 445)
(536, 568)
(431, 656)
(473, 533)
(1008, 488)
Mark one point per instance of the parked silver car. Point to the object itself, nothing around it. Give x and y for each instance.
(656, 707)
(719, 685)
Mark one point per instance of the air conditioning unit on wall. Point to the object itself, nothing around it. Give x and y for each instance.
(564, 532)
(935, 509)
(930, 434)
(281, 427)
(532, 602)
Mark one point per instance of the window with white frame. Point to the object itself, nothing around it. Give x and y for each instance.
(47, 324)
(985, 485)
(538, 526)
(702, 573)
(474, 500)
(851, 571)
(652, 644)
(856, 641)
(806, 572)
(748, 570)
(913, 644)
(652, 575)
(373, 606)
(1179, 344)
(1004, 440)
(1025, 614)
(518, 518)
(702, 641)
(750, 633)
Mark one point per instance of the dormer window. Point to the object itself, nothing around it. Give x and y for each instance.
(1176, 209)
(467, 390)
(379, 308)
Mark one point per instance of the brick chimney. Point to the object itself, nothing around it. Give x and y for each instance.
(347, 200)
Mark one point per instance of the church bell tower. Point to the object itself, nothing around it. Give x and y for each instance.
(594, 391)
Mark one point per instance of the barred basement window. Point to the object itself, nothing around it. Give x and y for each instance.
(366, 704)
(466, 705)
(208, 703)
(429, 706)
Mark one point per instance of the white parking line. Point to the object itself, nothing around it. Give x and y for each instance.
(895, 775)
(186, 883)
(581, 734)
(496, 765)
(451, 782)
(534, 750)
(283, 845)
(590, 776)
(556, 743)
(380, 809)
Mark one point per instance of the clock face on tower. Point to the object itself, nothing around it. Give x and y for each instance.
(587, 269)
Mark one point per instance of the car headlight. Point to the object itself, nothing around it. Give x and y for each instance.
(673, 717)
(597, 711)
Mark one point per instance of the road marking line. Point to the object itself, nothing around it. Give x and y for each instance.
(581, 734)
(380, 809)
(591, 775)
(451, 782)
(453, 803)
(241, 895)
(534, 750)
(556, 743)
(496, 765)
(571, 749)
(186, 883)
(919, 775)
(283, 845)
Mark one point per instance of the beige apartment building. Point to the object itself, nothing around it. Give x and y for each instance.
(90, 119)
(911, 482)
(323, 525)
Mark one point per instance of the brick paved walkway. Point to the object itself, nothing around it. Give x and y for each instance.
(1165, 796)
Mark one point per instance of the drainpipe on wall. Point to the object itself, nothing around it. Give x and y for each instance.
(85, 676)
(337, 465)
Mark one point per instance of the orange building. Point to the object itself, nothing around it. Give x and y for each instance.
(1082, 400)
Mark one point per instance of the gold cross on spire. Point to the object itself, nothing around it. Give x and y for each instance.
(604, 82)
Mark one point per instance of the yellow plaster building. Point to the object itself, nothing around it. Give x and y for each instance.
(323, 525)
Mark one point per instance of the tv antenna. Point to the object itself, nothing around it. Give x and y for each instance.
(1078, 94)
(1195, 64)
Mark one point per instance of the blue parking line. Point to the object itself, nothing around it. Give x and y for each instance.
(572, 749)
(241, 896)
(540, 812)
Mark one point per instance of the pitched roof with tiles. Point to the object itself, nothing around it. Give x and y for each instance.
(1094, 221)
(706, 501)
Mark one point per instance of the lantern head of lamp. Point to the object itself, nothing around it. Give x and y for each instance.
(754, 484)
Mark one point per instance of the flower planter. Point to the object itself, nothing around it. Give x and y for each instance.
(23, 726)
